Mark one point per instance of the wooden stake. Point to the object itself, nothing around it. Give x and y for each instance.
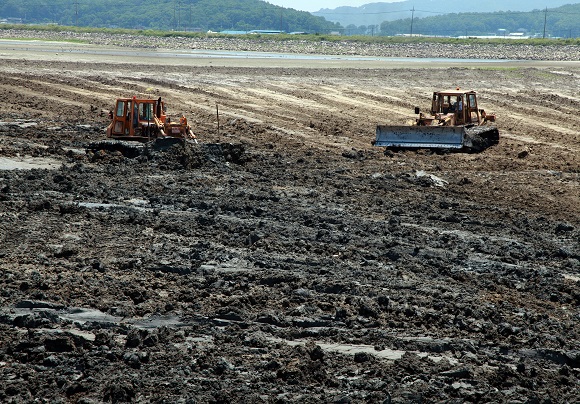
(217, 110)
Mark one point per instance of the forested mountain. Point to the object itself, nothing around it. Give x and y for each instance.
(183, 15)
(551, 22)
(428, 18)
(376, 13)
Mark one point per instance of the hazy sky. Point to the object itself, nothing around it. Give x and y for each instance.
(315, 5)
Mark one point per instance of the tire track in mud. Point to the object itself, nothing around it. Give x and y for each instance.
(41, 93)
(286, 113)
(537, 108)
(296, 108)
(291, 108)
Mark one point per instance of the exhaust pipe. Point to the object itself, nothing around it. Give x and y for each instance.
(158, 112)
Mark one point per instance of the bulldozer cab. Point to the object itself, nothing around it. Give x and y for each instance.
(462, 105)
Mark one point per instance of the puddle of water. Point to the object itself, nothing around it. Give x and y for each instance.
(86, 315)
(350, 349)
(219, 54)
(138, 202)
(89, 336)
(157, 322)
(94, 205)
(28, 163)
(390, 354)
(133, 204)
(298, 56)
(22, 125)
(83, 315)
(227, 268)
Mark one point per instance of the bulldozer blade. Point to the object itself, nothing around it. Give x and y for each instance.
(419, 137)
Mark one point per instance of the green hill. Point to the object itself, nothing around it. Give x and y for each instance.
(375, 13)
(180, 15)
(554, 22)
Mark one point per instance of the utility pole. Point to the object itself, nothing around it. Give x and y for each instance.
(545, 19)
(179, 16)
(412, 18)
(76, 13)
(281, 13)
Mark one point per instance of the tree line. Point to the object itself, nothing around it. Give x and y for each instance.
(177, 15)
(247, 15)
(557, 22)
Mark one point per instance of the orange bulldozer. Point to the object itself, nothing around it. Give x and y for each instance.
(144, 120)
(139, 124)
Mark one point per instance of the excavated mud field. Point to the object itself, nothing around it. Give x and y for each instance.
(284, 258)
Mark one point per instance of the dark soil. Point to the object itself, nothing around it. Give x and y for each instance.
(285, 259)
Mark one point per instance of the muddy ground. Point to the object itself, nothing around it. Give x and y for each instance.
(285, 259)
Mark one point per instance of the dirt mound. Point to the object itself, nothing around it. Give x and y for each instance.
(168, 154)
(482, 137)
(191, 156)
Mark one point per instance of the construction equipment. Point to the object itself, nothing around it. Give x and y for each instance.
(144, 120)
(139, 123)
(455, 122)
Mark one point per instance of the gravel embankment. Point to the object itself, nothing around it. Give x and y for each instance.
(556, 52)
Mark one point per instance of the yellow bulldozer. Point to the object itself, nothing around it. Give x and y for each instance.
(455, 122)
